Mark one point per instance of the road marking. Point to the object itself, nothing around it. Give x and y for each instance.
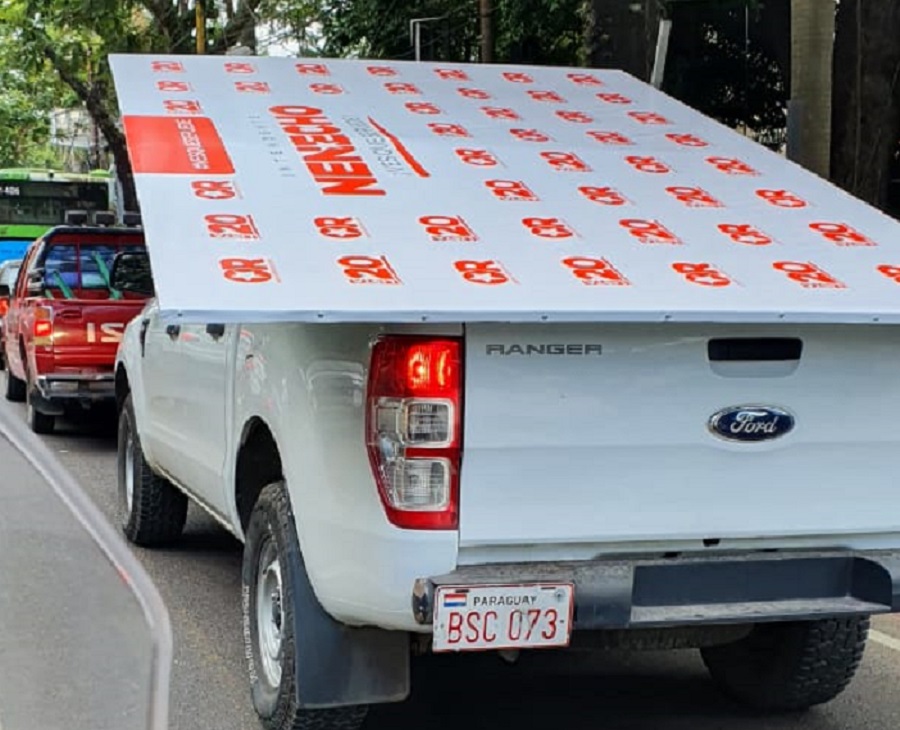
(889, 641)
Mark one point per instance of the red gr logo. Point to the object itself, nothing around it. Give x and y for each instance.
(648, 118)
(693, 197)
(511, 190)
(808, 275)
(548, 228)
(239, 227)
(841, 234)
(603, 196)
(486, 273)
(529, 135)
(339, 228)
(477, 158)
(447, 228)
(595, 272)
(614, 138)
(565, 162)
(248, 271)
(702, 274)
(368, 270)
(745, 234)
(648, 164)
(448, 130)
(781, 198)
(647, 231)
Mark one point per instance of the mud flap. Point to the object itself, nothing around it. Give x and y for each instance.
(343, 665)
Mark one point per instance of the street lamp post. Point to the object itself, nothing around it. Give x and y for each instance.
(415, 32)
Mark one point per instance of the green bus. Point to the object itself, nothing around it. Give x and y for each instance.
(34, 200)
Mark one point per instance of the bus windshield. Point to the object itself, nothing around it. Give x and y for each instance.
(45, 202)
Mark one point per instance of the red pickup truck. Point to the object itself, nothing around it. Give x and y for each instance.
(65, 321)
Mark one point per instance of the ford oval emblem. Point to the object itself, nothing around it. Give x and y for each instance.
(751, 423)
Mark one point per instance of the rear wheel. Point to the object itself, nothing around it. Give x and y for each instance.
(789, 667)
(271, 560)
(15, 388)
(152, 510)
(41, 423)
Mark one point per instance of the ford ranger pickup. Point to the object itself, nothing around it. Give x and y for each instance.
(64, 322)
(478, 358)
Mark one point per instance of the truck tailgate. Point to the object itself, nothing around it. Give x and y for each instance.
(86, 333)
(601, 434)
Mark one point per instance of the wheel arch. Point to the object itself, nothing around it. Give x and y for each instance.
(257, 463)
(123, 387)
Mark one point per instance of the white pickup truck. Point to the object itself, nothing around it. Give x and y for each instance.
(626, 378)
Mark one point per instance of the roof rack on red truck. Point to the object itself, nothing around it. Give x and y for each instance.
(65, 319)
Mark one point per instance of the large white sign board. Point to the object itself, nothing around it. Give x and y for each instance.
(336, 190)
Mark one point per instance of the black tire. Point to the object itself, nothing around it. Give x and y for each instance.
(40, 423)
(15, 388)
(790, 667)
(272, 532)
(158, 510)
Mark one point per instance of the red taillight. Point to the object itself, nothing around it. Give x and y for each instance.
(43, 326)
(4, 307)
(413, 429)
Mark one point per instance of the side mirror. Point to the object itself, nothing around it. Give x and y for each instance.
(4, 291)
(35, 285)
(131, 272)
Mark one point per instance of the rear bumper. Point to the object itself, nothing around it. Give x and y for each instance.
(51, 392)
(726, 589)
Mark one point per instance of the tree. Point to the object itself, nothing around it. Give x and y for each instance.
(524, 31)
(812, 44)
(26, 104)
(866, 115)
(622, 35)
(730, 59)
(74, 38)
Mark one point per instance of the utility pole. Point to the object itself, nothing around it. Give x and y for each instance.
(486, 10)
(200, 20)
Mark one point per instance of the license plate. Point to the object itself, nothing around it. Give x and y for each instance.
(469, 618)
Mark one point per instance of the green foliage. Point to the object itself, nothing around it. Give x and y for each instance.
(29, 95)
(729, 68)
(540, 32)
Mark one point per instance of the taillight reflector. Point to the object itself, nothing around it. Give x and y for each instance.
(413, 429)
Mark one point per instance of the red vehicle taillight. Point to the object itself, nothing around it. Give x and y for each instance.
(4, 307)
(413, 429)
(43, 326)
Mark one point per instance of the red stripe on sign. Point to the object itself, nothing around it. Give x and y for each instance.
(401, 150)
(176, 146)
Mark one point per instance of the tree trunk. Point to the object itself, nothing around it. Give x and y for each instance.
(619, 34)
(866, 119)
(812, 43)
(486, 12)
(92, 99)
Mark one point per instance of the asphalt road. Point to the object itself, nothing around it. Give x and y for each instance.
(653, 691)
